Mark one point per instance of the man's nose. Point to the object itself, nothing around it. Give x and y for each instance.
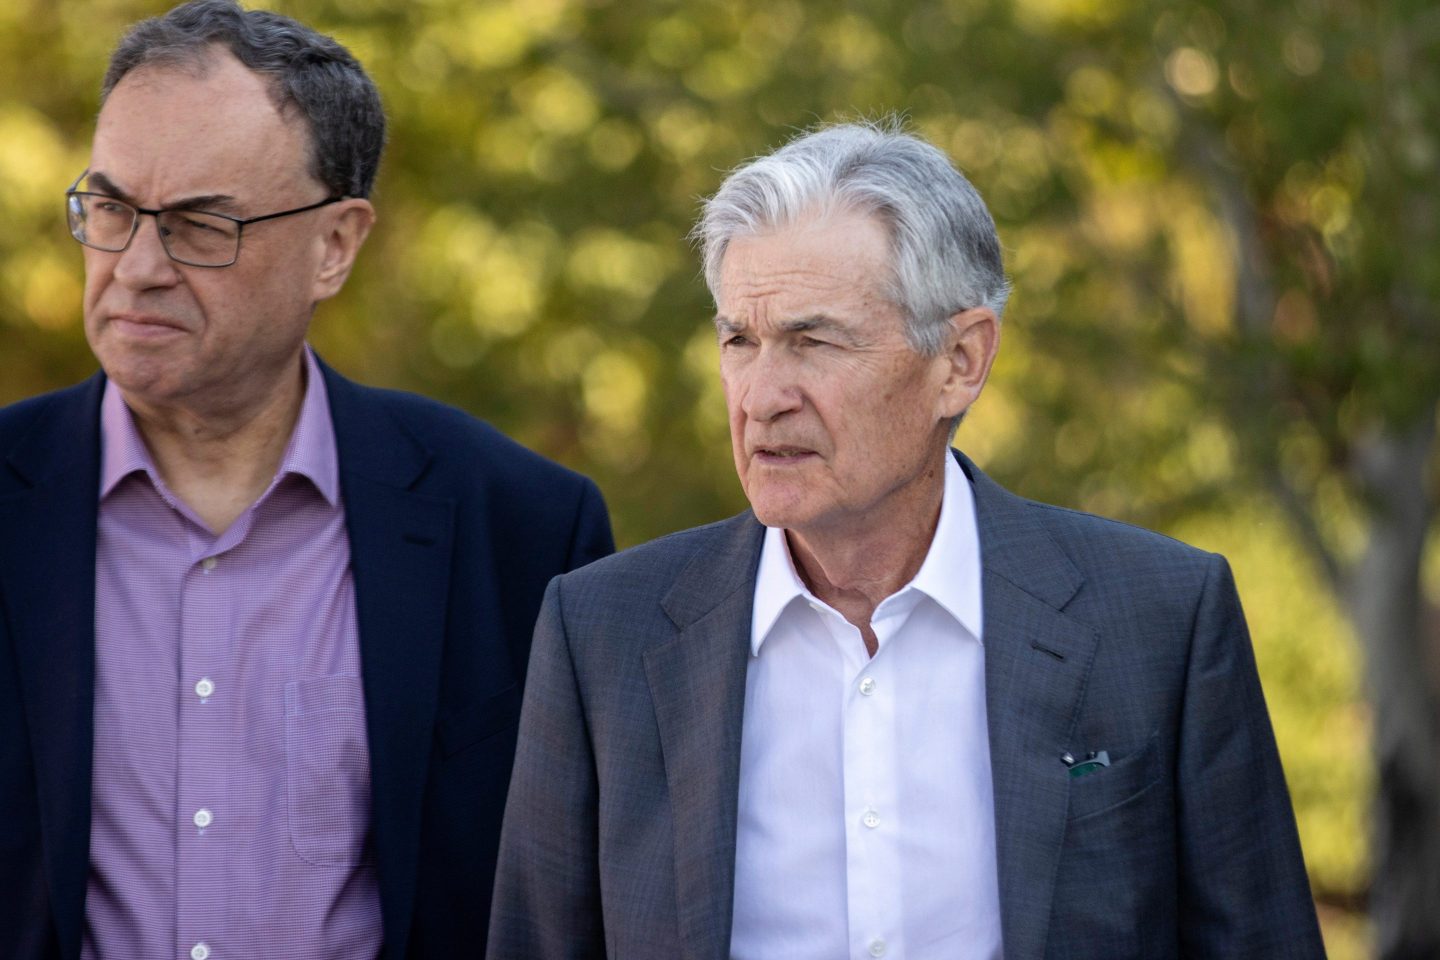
(144, 263)
(772, 385)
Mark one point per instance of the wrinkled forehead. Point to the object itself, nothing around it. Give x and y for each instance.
(827, 280)
(166, 124)
(855, 242)
(845, 253)
(199, 62)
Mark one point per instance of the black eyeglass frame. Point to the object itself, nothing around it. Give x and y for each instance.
(240, 222)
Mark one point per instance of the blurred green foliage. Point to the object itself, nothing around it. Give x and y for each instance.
(1197, 201)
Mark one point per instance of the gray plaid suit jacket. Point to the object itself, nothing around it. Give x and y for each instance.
(619, 836)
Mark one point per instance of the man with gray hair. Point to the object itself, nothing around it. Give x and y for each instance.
(262, 629)
(892, 710)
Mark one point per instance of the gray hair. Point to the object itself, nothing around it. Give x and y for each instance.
(305, 70)
(944, 252)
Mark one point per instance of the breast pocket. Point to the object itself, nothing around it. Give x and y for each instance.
(477, 722)
(327, 768)
(1116, 785)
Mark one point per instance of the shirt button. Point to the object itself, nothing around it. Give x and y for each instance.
(201, 951)
(204, 688)
(207, 565)
(871, 820)
(867, 686)
(203, 819)
(877, 947)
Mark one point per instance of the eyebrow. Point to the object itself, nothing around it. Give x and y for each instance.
(205, 201)
(819, 321)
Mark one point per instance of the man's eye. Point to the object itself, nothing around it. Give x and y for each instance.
(202, 226)
(734, 341)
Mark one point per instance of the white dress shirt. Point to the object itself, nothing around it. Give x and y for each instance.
(866, 816)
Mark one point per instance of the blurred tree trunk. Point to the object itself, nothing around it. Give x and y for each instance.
(1387, 469)
(1385, 599)
(1365, 387)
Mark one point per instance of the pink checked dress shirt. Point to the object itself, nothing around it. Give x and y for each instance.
(231, 806)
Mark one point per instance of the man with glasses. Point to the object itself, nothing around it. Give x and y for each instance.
(262, 629)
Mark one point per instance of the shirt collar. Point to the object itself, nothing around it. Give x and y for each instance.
(949, 575)
(777, 585)
(310, 452)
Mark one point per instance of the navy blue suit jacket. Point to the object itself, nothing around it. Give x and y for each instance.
(454, 532)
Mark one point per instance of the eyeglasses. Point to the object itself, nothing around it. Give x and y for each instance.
(196, 238)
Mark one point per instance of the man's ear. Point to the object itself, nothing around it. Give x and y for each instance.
(347, 226)
(970, 347)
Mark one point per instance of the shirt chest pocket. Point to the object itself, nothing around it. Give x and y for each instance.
(327, 770)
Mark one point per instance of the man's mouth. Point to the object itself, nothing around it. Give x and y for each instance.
(145, 324)
(782, 453)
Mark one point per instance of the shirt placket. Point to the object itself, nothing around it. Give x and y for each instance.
(206, 704)
(870, 803)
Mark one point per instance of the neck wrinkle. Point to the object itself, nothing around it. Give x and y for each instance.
(855, 577)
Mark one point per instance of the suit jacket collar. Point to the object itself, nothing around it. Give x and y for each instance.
(1037, 659)
(697, 686)
(47, 579)
(400, 544)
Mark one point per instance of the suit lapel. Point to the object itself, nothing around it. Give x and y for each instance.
(400, 546)
(1037, 660)
(47, 579)
(697, 684)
